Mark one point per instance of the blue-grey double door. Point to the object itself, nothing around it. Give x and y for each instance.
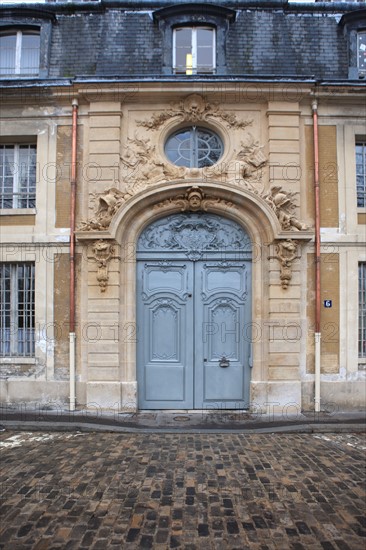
(193, 329)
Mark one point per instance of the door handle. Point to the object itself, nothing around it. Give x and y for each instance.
(224, 362)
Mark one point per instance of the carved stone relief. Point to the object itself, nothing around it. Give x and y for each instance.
(108, 203)
(283, 205)
(286, 253)
(193, 200)
(194, 234)
(193, 109)
(246, 168)
(143, 166)
(103, 252)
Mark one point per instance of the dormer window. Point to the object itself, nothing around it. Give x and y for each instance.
(361, 52)
(194, 38)
(19, 52)
(194, 50)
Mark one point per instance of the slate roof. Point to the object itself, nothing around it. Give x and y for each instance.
(268, 39)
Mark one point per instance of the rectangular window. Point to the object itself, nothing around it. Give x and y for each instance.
(19, 53)
(361, 173)
(17, 310)
(362, 309)
(361, 52)
(194, 50)
(18, 176)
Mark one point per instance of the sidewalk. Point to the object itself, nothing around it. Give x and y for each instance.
(207, 421)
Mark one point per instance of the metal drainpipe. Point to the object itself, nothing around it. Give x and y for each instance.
(72, 336)
(317, 334)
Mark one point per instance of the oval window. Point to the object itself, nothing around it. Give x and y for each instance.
(194, 147)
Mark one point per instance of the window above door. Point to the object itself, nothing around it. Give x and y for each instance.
(194, 50)
(194, 147)
(194, 38)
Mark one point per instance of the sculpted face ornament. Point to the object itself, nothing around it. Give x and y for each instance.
(194, 198)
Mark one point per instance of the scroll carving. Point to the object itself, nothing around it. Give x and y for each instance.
(193, 109)
(286, 253)
(103, 252)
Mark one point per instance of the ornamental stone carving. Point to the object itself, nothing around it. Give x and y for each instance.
(108, 203)
(286, 253)
(282, 203)
(103, 252)
(194, 109)
(193, 200)
(194, 234)
(245, 168)
(141, 166)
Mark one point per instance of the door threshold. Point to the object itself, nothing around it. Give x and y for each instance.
(193, 411)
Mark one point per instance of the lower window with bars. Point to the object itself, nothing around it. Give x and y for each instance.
(17, 318)
(362, 310)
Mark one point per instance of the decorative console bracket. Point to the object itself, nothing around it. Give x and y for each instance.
(102, 252)
(286, 253)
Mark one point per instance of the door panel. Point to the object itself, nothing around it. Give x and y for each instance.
(193, 315)
(222, 312)
(165, 336)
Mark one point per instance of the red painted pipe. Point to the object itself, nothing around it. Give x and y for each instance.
(72, 212)
(317, 215)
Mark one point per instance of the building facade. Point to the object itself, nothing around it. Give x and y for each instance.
(183, 217)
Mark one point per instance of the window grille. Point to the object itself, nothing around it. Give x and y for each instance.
(18, 176)
(17, 315)
(194, 147)
(361, 173)
(362, 309)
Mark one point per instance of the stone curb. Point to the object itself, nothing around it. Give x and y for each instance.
(89, 427)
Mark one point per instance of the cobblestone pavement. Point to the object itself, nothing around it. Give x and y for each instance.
(191, 491)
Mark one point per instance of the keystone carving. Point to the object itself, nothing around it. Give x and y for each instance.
(286, 253)
(102, 252)
(193, 200)
(193, 109)
(108, 203)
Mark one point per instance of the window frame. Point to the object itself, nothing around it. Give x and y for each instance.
(20, 51)
(354, 23)
(361, 71)
(194, 15)
(16, 198)
(194, 69)
(361, 197)
(362, 310)
(194, 145)
(30, 19)
(16, 341)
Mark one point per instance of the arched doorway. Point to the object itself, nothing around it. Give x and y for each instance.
(193, 313)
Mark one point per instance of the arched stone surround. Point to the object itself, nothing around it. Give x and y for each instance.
(240, 205)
